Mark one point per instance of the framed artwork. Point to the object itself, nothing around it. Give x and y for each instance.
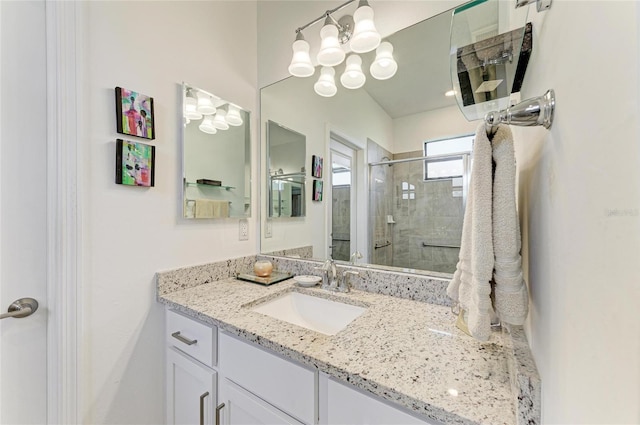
(135, 163)
(134, 114)
(317, 190)
(316, 166)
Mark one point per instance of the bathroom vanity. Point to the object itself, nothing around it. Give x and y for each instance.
(401, 361)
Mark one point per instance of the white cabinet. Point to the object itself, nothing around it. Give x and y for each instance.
(242, 408)
(191, 390)
(342, 404)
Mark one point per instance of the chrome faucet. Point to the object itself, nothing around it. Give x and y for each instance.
(329, 275)
(345, 284)
(355, 256)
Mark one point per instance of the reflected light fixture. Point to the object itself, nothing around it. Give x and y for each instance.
(331, 53)
(384, 66)
(450, 93)
(301, 65)
(205, 104)
(219, 121)
(233, 115)
(353, 77)
(326, 84)
(190, 107)
(365, 36)
(206, 126)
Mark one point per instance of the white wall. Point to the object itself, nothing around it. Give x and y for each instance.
(129, 233)
(410, 132)
(580, 212)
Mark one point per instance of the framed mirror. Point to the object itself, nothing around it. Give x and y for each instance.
(216, 154)
(407, 210)
(286, 173)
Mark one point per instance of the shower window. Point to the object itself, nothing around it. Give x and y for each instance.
(448, 157)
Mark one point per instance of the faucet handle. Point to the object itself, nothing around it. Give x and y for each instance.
(345, 285)
(355, 256)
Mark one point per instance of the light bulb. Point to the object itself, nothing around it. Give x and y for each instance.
(206, 126)
(190, 107)
(205, 104)
(384, 66)
(365, 36)
(353, 77)
(326, 85)
(331, 52)
(233, 116)
(219, 122)
(301, 65)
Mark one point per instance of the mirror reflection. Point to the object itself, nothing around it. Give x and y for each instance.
(286, 151)
(408, 169)
(216, 146)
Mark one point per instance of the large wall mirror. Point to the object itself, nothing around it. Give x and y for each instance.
(216, 153)
(384, 204)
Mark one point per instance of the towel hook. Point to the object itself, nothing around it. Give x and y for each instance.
(530, 112)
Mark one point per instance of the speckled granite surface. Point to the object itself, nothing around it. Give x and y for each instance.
(405, 351)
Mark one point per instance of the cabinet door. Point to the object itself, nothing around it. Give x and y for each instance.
(191, 391)
(242, 408)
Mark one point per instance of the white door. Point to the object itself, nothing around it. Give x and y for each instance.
(23, 211)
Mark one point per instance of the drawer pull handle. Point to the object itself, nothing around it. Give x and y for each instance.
(180, 338)
(218, 409)
(202, 397)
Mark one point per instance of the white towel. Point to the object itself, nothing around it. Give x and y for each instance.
(209, 208)
(511, 299)
(471, 283)
(490, 245)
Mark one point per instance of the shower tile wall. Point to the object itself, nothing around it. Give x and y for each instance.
(380, 205)
(341, 222)
(425, 213)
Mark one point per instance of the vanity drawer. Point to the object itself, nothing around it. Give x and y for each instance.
(284, 384)
(192, 337)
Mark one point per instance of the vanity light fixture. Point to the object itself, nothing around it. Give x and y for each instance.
(233, 115)
(326, 84)
(384, 66)
(365, 36)
(190, 107)
(219, 120)
(301, 65)
(206, 126)
(205, 104)
(331, 53)
(353, 77)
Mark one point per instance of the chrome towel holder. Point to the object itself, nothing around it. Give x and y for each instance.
(530, 112)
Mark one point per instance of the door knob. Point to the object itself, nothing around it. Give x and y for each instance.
(21, 308)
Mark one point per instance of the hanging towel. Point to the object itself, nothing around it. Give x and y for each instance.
(511, 299)
(490, 246)
(208, 208)
(471, 283)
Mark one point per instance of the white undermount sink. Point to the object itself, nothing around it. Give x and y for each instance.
(314, 313)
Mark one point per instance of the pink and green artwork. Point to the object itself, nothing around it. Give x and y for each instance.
(135, 163)
(134, 114)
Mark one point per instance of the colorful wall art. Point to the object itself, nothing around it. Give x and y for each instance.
(135, 163)
(134, 114)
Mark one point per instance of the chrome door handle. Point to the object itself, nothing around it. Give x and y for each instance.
(182, 339)
(21, 308)
(202, 397)
(218, 409)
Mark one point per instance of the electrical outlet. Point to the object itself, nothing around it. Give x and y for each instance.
(268, 228)
(244, 229)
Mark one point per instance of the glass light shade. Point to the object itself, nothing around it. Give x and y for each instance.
(190, 108)
(353, 77)
(365, 36)
(384, 66)
(205, 104)
(301, 65)
(206, 126)
(233, 116)
(326, 84)
(331, 52)
(219, 121)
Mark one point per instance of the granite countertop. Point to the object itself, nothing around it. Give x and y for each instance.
(407, 352)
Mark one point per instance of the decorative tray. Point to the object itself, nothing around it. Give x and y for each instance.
(274, 277)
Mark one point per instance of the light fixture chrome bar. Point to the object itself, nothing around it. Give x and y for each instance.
(540, 4)
(324, 15)
(530, 112)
